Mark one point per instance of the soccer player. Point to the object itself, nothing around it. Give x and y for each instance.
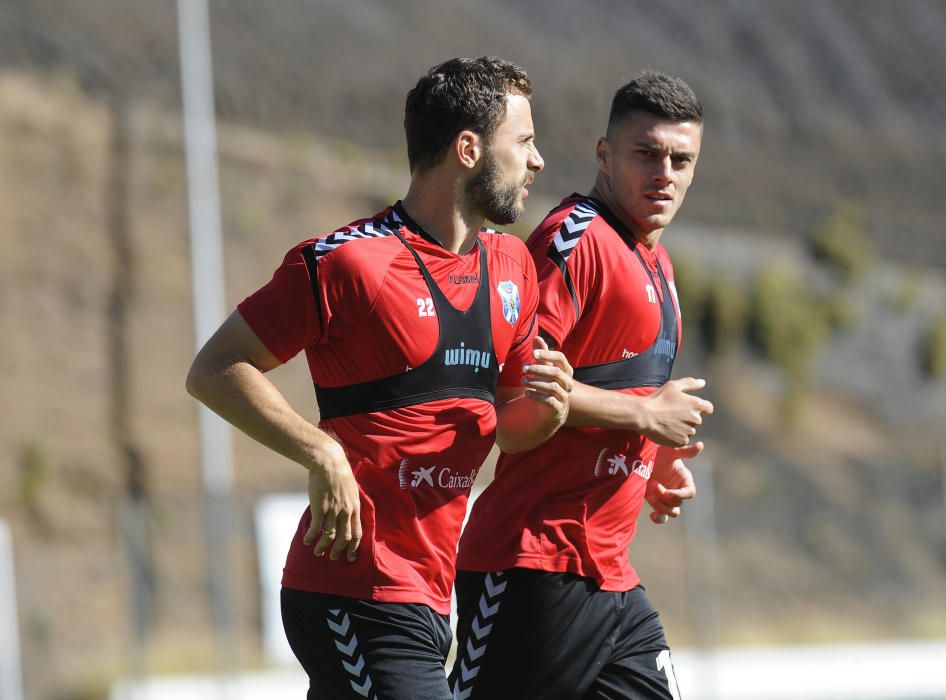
(549, 606)
(419, 327)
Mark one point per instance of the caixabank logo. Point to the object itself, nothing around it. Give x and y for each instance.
(612, 463)
(433, 476)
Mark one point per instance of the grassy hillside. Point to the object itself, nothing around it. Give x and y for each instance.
(95, 310)
(807, 104)
(96, 315)
(831, 525)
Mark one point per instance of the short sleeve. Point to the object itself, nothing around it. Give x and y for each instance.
(520, 353)
(557, 308)
(285, 313)
(567, 276)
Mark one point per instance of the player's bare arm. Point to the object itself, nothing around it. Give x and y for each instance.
(527, 417)
(669, 416)
(228, 377)
(671, 482)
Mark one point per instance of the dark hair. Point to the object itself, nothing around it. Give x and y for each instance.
(658, 93)
(462, 93)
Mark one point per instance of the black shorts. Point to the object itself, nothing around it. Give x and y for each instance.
(526, 635)
(363, 649)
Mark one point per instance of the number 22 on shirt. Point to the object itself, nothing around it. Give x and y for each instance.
(425, 306)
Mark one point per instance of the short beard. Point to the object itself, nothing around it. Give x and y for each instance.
(498, 202)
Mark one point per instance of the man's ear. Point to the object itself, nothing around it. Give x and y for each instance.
(468, 147)
(603, 153)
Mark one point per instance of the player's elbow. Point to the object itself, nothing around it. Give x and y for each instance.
(197, 380)
(505, 444)
(515, 442)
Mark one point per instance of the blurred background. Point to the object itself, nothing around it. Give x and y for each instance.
(810, 259)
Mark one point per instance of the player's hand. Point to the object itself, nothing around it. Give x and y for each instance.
(335, 504)
(548, 380)
(671, 483)
(674, 413)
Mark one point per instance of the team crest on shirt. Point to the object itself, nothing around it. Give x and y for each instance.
(615, 464)
(509, 293)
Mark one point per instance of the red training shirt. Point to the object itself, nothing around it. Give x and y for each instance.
(360, 309)
(571, 504)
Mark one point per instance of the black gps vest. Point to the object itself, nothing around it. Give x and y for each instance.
(463, 365)
(653, 366)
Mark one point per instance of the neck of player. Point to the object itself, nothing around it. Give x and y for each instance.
(603, 193)
(439, 205)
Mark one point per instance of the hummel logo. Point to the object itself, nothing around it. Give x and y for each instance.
(423, 475)
(353, 661)
(618, 462)
(469, 657)
(572, 229)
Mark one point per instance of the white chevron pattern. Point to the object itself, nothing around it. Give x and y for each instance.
(569, 233)
(376, 228)
(480, 632)
(472, 652)
(353, 661)
(486, 610)
(494, 587)
(347, 649)
(468, 666)
(339, 629)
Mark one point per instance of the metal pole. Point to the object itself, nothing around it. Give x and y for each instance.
(10, 672)
(208, 284)
(942, 471)
(701, 545)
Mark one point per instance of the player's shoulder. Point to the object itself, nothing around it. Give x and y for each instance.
(504, 245)
(575, 219)
(362, 242)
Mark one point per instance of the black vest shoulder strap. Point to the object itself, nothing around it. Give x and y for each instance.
(463, 365)
(653, 366)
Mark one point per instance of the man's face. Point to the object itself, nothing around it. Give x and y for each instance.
(648, 163)
(510, 163)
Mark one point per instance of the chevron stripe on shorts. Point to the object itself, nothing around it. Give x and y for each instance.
(353, 661)
(494, 585)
